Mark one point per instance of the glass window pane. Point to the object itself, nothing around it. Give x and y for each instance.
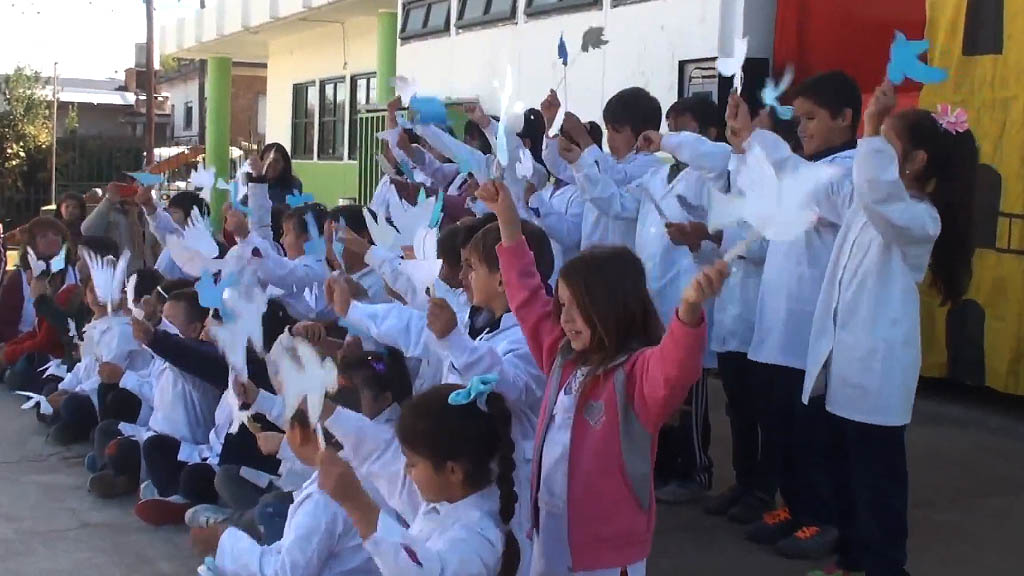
(339, 101)
(308, 150)
(373, 91)
(297, 138)
(438, 14)
(298, 99)
(472, 9)
(326, 100)
(339, 137)
(503, 7)
(310, 103)
(326, 140)
(415, 18)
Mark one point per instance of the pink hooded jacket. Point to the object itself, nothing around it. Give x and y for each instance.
(611, 456)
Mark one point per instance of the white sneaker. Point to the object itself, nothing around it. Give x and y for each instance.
(147, 491)
(205, 515)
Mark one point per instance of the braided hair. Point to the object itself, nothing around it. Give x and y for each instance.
(480, 441)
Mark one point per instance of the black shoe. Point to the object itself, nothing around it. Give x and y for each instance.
(773, 527)
(722, 502)
(750, 508)
(809, 543)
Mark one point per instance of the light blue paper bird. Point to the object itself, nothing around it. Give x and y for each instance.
(315, 246)
(904, 62)
(477, 390)
(147, 179)
(437, 214)
(771, 92)
(407, 170)
(211, 293)
(295, 199)
(563, 50)
(429, 110)
(236, 197)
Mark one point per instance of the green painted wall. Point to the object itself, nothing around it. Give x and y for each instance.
(387, 47)
(218, 129)
(328, 181)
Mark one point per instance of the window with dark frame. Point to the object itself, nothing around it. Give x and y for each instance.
(424, 17)
(364, 93)
(332, 119)
(545, 6)
(303, 119)
(186, 124)
(474, 12)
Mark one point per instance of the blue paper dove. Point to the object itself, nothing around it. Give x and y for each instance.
(429, 110)
(236, 197)
(295, 199)
(563, 50)
(211, 293)
(904, 62)
(315, 246)
(147, 179)
(435, 216)
(771, 92)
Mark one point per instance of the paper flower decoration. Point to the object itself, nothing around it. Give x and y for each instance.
(953, 121)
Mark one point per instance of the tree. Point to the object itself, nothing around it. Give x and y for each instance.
(71, 122)
(25, 137)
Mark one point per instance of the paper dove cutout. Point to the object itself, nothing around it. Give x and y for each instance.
(904, 62)
(54, 367)
(424, 244)
(129, 291)
(315, 246)
(383, 234)
(238, 416)
(36, 400)
(194, 249)
(593, 38)
(525, 165)
(203, 180)
(295, 199)
(732, 66)
(404, 87)
(771, 92)
(437, 213)
(779, 208)
(245, 302)
(198, 235)
(312, 296)
(53, 265)
(506, 97)
(563, 50)
(108, 277)
(429, 110)
(147, 179)
(423, 273)
(406, 225)
(298, 373)
(238, 191)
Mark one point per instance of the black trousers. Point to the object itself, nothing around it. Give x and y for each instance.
(796, 439)
(684, 449)
(747, 405)
(869, 475)
(194, 482)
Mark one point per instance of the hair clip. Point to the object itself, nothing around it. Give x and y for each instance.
(952, 121)
(378, 366)
(478, 389)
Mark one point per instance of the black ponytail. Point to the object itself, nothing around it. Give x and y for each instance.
(505, 480)
(479, 441)
(949, 178)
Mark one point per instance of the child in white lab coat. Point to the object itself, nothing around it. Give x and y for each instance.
(453, 475)
(914, 177)
(170, 221)
(297, 271)
(600, 176)
(319, 537)
(352, 262)
(827, 109)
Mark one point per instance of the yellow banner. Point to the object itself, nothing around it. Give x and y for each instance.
(980, 340)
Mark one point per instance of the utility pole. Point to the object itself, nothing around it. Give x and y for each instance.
(53, 147)
(150, 85)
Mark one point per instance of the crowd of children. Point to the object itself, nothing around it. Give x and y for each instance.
(523, 411)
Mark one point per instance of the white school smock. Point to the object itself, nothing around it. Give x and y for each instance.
(736, 306)
(560, 213)
(106, 339)
(551, 544)
(293, 277)
(319, 540)
(463, 538)
(865, 346)
(609, 216)
(795, 269)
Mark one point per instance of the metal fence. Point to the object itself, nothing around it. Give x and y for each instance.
(370, 123)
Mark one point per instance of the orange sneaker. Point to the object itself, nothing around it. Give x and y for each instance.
(809, 542)
(773, 527)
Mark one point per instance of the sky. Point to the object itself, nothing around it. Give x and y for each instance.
(87, 38)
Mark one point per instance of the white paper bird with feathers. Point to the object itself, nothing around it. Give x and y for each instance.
(194, 249)
(54, 265)
(129, 291)
(245, 304)
(424, 269)
(299, 373)
(203, 179)
(406, 225)
(108, 277)
(778, 207)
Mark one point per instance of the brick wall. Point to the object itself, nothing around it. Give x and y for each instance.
(245, 93)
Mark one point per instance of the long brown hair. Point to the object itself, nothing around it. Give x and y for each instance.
(610, 290)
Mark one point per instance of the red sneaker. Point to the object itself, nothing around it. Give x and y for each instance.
(162, 511)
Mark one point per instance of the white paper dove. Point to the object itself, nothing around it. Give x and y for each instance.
(108, 277)
(407, 224)
(404, 87)
(238, 416)
(297, 372)
(312, 296)
(424, 244)
(525, 165)
(732, 66)
(778, 208)
(55, 367)
(38, 266)
(34, 400)
(194, 249)
(245, 304)
(55, 264)
(383, 234)
(129, 291)
(203, 180)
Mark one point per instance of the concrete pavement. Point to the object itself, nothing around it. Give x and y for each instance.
(967, 504)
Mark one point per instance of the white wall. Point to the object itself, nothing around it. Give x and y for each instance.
(182, 90)
(319, 53)
(646, 42)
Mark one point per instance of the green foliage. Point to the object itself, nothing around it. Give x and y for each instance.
(71, 122)
(168, 63)
(25, 130)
